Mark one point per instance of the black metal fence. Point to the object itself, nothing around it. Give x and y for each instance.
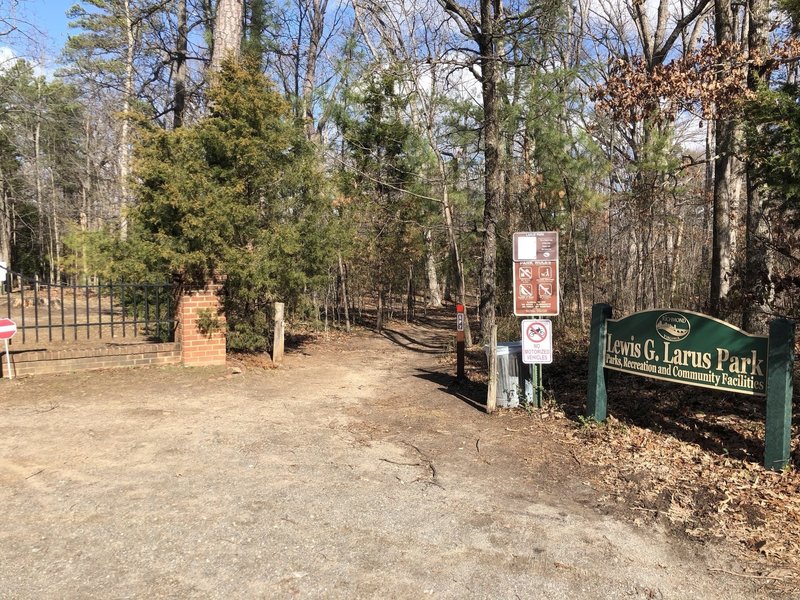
(53, 312)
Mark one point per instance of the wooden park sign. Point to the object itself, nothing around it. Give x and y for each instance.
(695, 349)
(687, 347)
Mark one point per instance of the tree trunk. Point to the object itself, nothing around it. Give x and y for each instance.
(379, 316)
(727, 182)
(758, 289)
(180, 66)
(124, 138)
(228, 28)
(344, 293)
(484, 30)
(452, 238)
(578, 278)
(55, 240)
(5, 224)
(37, 154)
(430, 271)
(493, 186)
(674, 251)
(318, 8)
(410, 295)
(455, 257)
(723, 233)
(86, 191)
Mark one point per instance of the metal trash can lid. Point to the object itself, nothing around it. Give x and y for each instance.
(505, 348)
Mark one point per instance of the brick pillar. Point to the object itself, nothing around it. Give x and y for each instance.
(200, 349)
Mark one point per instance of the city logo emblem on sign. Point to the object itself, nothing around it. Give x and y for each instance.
(673, 327)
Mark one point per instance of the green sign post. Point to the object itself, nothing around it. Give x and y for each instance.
(695, 349)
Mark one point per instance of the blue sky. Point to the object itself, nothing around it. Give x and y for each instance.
(45, 25)
(50, 17)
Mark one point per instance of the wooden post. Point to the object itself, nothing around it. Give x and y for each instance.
(596, 401)
(780, 361)
(379, 317)
(277, 340)
(343, 280)
(491, 394)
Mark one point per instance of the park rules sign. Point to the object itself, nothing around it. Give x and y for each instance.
(687, 347)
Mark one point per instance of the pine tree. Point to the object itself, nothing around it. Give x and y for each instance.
(234, 198)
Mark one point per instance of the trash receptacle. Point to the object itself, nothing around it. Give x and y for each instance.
(513, 376)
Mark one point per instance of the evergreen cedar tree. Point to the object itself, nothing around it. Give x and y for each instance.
(236, 199)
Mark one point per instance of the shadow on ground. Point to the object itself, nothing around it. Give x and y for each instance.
(414, 344)
(467, 391)
(722, 423)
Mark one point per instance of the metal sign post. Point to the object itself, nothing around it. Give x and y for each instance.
(536, 292)
(537, 349)
(8, 359)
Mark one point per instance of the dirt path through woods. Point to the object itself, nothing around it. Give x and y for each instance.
(351, 472)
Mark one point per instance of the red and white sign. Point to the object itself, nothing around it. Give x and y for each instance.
(7, 329)
(537, 341)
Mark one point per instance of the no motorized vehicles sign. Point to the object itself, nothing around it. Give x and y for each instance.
(537, 341)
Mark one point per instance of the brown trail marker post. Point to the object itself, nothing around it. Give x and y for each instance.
(460, 316)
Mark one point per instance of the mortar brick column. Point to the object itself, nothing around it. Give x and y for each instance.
(200, 349)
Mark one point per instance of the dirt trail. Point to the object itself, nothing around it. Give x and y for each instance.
(351, 472)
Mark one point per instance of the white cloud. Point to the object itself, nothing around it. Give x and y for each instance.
(9, 57)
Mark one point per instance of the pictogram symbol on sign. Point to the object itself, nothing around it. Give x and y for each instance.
(536, 332)
(545, 290)
(545, 272)
(525, 290)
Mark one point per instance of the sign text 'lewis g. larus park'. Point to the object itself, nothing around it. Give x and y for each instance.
(687, 347)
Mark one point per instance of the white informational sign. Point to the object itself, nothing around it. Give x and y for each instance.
(537, 341)
(526, 248)
(535, 245)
